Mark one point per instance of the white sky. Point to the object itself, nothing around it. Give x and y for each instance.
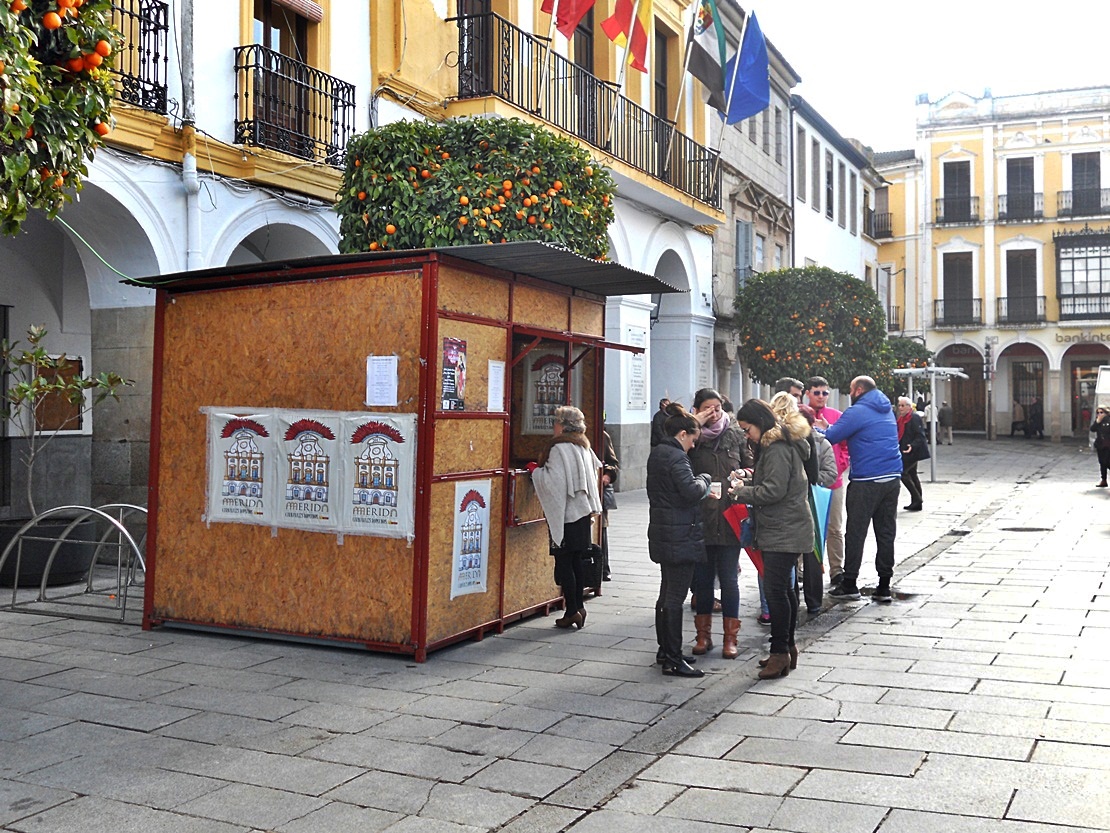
(863, 62)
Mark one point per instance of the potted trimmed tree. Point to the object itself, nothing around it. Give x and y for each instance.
(45, 396)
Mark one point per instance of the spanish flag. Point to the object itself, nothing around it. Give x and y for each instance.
(631, 33)
(568, 15)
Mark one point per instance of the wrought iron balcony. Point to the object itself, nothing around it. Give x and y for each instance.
(499, 59)
(1021, 309)
(1084, 202)
(880, 225)
(894, 320)
(285, 105)
(1079, 307)
(957, 210)
(958, 312)
(140, 65)
(1021, 206)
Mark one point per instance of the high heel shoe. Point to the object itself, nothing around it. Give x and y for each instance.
(793, 659)
(579, 619)
(778, 665)
(566, 620)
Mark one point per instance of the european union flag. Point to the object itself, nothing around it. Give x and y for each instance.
(749, 90)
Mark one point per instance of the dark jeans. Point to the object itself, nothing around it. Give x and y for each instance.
(911, 481)
(778, 585)
(674, 583)
(813, 581)
(870, 503)
(722, 565)
(1103, 461)
(570, 570)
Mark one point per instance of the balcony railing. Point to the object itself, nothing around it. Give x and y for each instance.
(285, 105)
(1075, 307)
(499, 59)
(881, 225)
(894, 320)
(1021, 206)
(1083, 203)
(958, 312)
(1021, 309)
(957, 210)
(141, 64)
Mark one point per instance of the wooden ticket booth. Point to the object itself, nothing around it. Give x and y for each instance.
(338, 443)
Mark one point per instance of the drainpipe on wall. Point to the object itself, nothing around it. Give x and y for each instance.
(189, 177)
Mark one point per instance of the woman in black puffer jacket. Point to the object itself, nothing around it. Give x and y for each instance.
(675, 539)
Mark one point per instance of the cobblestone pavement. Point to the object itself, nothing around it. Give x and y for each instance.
(978, 702)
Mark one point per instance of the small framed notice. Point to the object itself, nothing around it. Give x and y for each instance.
(381, 381)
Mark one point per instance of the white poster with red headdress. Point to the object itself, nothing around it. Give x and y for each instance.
(470, 553)
(241, 449)
(379, 465)
(309, 469)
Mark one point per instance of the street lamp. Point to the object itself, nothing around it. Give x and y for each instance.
(653, 316)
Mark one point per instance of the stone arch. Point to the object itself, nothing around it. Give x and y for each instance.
(271, 231)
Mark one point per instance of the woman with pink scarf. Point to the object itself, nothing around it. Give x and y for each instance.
(721, 448)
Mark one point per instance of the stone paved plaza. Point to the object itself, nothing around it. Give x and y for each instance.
(978, 702)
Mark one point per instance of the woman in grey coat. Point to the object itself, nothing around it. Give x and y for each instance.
(778, 492)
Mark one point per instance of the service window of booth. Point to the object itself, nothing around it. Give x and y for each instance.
(546, 373)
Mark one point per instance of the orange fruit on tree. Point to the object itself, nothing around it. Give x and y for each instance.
(93, 60)
(103, 48)
(18, 6)
(373, 245)
(482, 223)
(445, 155)
(2, 67)
(535, 169)
(75, 64)
(463, 221)
(425, 173)
(58, 182)
(51, 20)
(390, 229)
(557, 185)
(547, 225)
(64, 4)
(526, 181)
(464, 200)
(532, 220)
(520, 215)
(589, 170)
(101, 129)
(507, 185)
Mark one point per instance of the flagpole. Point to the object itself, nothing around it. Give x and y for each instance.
(624, 69)
(731, 90)
(546, 59)
(681, 89)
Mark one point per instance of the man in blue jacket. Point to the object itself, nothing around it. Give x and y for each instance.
(874, 481)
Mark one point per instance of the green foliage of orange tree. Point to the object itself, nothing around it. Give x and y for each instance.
(55, 96)
(811, 322)
(904, 352)
(414, 185)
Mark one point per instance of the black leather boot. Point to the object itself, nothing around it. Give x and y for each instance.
(674, 664)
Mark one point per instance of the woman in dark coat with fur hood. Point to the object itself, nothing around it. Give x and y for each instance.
(778, 493)
(675, 539)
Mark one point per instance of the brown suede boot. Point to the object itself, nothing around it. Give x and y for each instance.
(732, 630)
(793, 658)
(703, 624)
(778, 665)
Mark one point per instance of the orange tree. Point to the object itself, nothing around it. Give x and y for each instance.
(56, 100)
(414, 185)
(904, 352)
(812, 321)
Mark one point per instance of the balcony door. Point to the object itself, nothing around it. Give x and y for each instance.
(1086, 184)
(958, 291)
(1019, 188)
(475, 48)
(282, 87)
(957, 192)
(586, 90)
(1021, 285)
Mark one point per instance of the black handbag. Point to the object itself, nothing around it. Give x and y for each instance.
(608, 497)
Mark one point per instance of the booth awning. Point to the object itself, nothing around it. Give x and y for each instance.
(532, 258)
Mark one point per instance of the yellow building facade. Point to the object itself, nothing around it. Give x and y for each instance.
(996, 243)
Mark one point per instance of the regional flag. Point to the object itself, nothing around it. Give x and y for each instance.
(569, 14)
(707, 52)
(630, 33)
(749, 88)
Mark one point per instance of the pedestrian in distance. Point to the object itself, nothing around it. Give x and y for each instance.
(657, 435)
(1017, 418)
(874, 481)
(675, 539)
(914, 448)
(778, 492)
(1101, 429)
(610, 467)
(565, 479)
(1034, 419)
(817, 393)
(720, 449)
(944, 421)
